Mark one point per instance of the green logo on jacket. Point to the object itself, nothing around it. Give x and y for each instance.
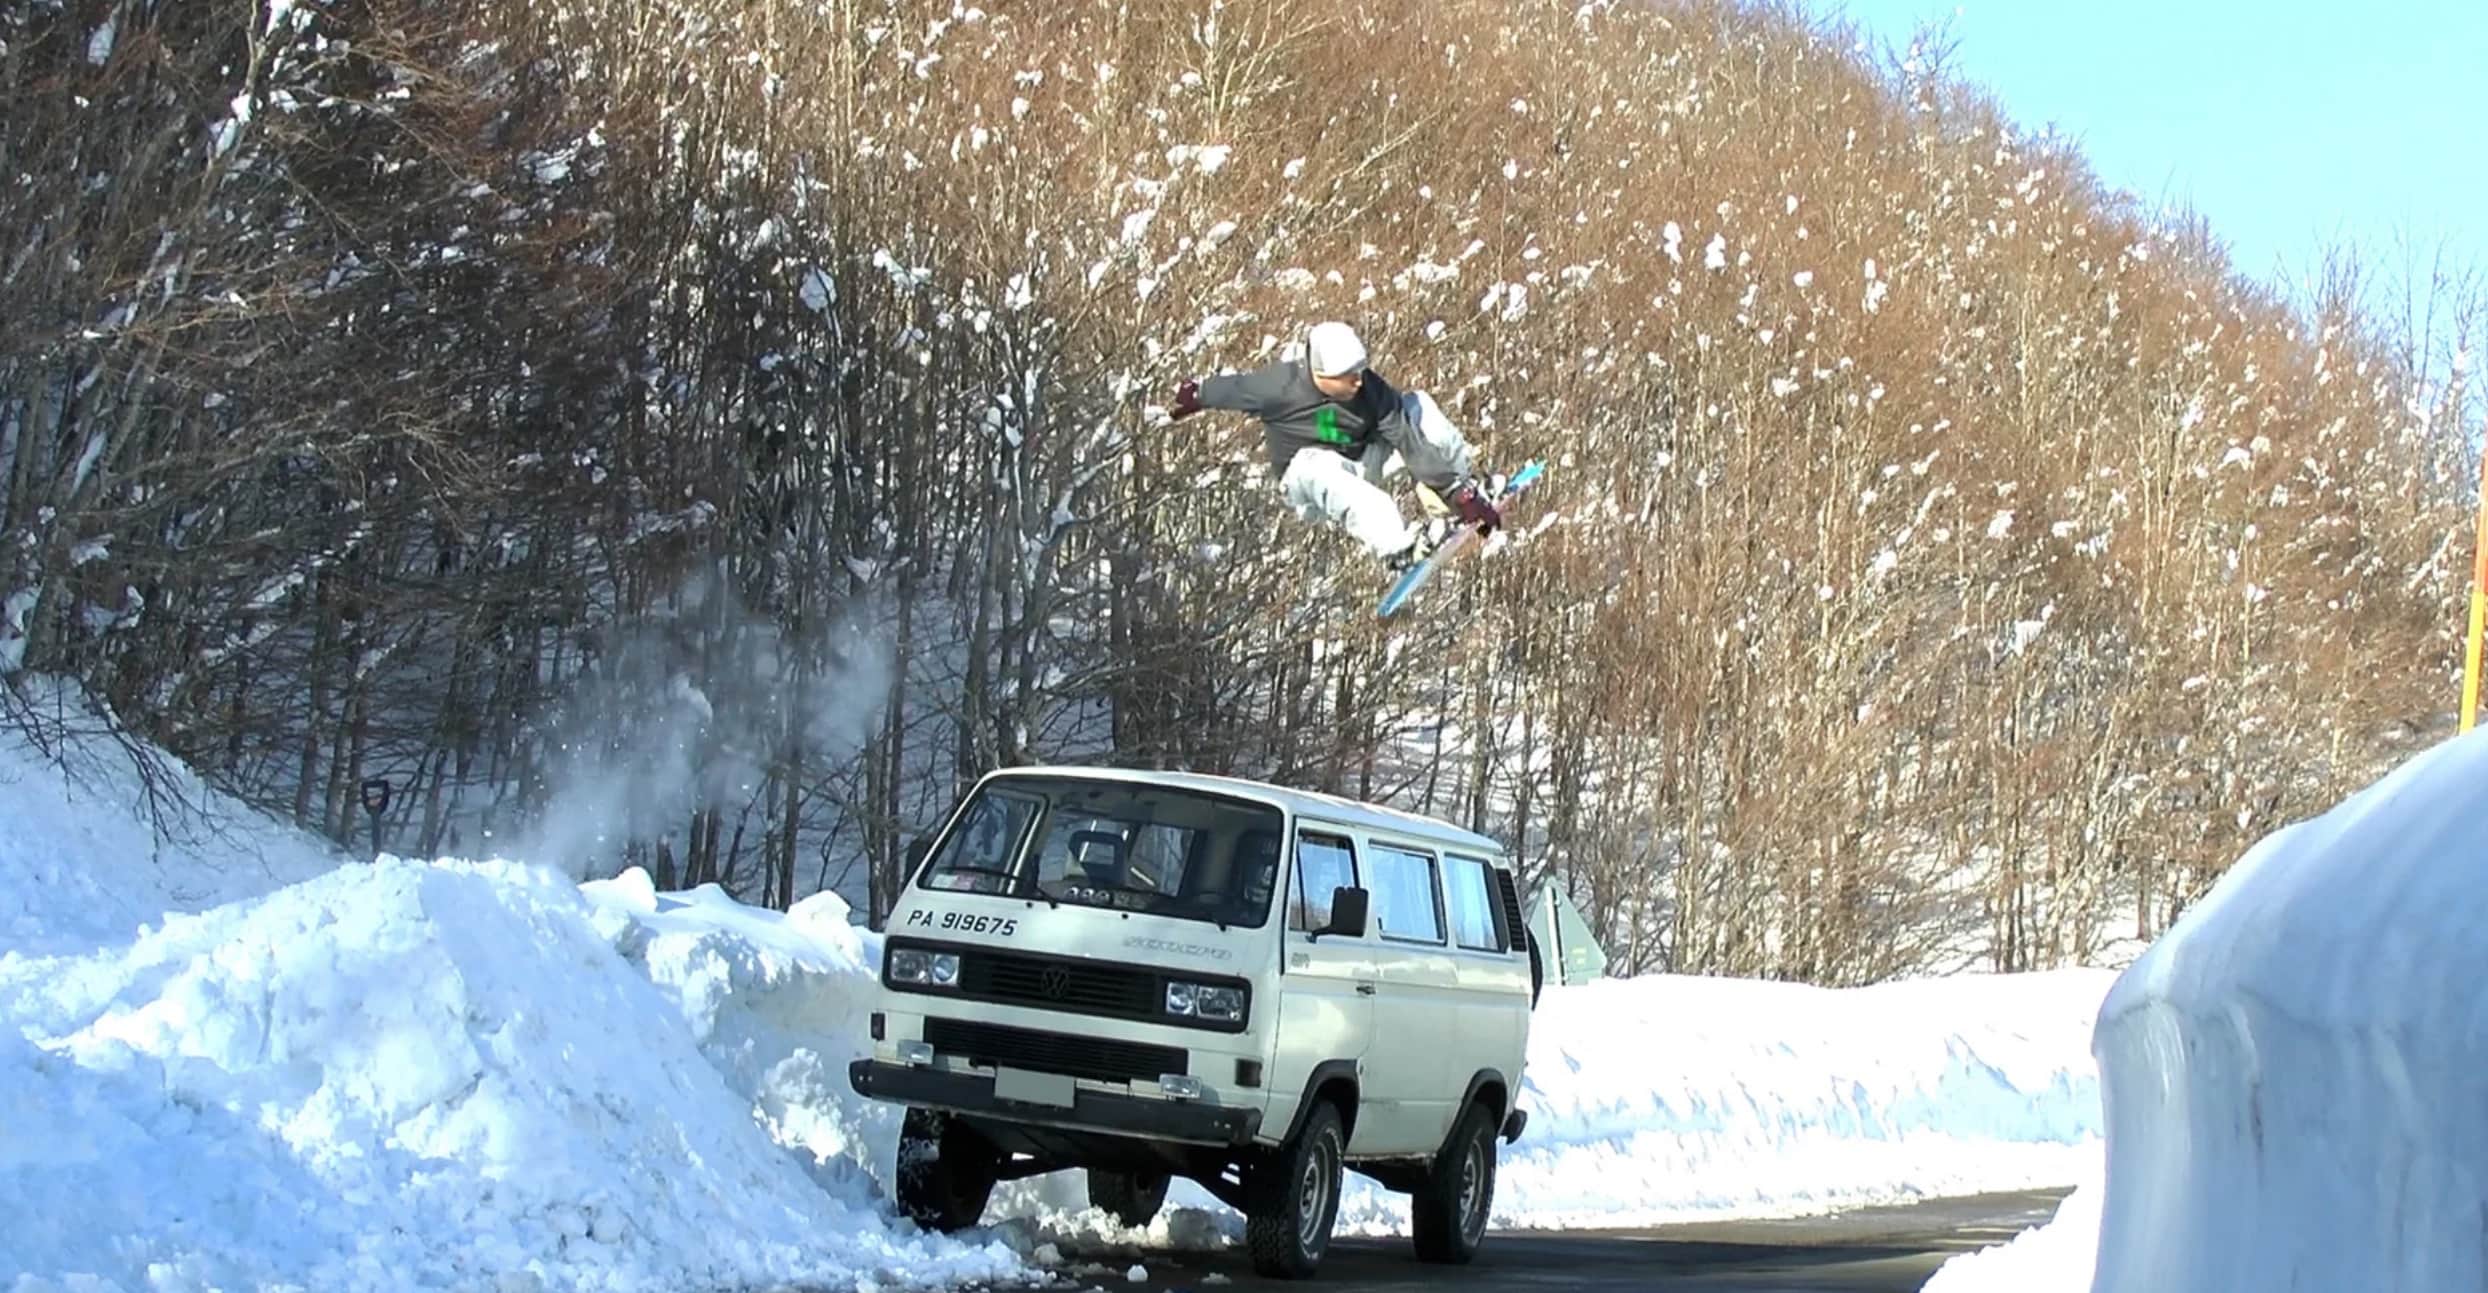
(1326, 426)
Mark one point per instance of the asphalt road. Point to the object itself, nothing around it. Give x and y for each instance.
(1874, 1250)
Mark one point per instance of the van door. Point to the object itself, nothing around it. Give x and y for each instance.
(1326, 984)
(1494, 970)
(1421, 1053)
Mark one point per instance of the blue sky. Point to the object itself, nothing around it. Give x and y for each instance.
(2288, 124)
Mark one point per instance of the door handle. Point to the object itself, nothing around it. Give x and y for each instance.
(1366, 989)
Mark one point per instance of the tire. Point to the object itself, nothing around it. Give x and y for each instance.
(1447, 1214)
(1131, 1198)
(1293, 1198)
(945, 1172)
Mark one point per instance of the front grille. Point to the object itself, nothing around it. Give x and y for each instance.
(1061, 985)
(1065, 985)
(1043, 1052)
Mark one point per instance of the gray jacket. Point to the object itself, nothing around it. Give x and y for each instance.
(1296, 415)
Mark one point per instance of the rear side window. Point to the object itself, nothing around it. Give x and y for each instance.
(1404, 901)
(1471, 896)
(1323, 863)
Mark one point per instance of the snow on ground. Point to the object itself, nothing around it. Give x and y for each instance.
(2053, 1258)
(258, 1064)
(1671, 1098)
(2290, 1074)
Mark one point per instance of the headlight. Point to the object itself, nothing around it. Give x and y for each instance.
(933, 969)
(1202, 1001)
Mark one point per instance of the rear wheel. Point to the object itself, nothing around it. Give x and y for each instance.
(1131, 1198)
(945, 1171)
(1294, 1198)
(1447, 1213)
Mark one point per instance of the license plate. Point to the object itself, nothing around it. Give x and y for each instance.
(1032, 1088)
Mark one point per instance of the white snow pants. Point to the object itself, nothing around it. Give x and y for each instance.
(1325, 486)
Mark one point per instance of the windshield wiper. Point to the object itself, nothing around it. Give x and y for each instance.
(1194, 908)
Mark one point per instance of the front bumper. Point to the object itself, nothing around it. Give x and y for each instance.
(1093, 1111)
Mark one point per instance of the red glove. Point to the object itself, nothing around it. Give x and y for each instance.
(1474, 509)
(1187, 400)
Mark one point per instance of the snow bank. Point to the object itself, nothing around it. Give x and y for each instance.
(401, 1076)
(410, 1075)
(779, 1005)
(2291, 1074)
(1671, 1098)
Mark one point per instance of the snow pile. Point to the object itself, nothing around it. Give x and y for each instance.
(400, 1076)
(779, 1004)
(404, 1075)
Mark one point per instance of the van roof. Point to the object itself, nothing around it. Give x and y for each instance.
(1304, 803)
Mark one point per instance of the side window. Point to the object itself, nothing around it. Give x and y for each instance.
(1323, 863)
(1472, 901)
(1405, 905)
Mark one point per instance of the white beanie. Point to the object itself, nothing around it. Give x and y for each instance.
(1332, 349)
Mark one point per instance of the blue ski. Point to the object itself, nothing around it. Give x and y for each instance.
(1416, 575)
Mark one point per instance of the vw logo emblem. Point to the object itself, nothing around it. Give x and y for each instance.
(1056, 982)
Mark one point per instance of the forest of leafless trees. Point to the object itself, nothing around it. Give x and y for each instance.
(702, 433)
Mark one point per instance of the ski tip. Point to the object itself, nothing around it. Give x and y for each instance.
(1403, 588)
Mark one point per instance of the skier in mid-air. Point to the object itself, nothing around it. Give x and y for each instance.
(1330, 422)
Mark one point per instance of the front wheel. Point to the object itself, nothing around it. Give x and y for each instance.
(1447, 1213)
(1294, 1198)
(945, 1173)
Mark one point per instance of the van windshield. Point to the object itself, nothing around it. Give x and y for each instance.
(1130, 846)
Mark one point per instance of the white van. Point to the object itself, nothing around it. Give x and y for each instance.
(1151, 974)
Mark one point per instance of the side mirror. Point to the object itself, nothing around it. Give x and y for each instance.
(1349, 908)
(917, 849)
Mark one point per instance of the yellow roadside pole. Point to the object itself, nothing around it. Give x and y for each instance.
(2479, 604)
